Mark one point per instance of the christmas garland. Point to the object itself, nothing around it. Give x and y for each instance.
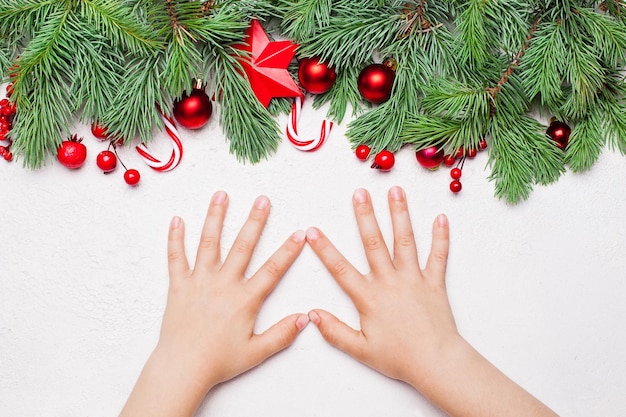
(448, 78)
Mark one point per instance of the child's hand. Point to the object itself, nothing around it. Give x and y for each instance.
(407, 327)
(405, 316)
(207, 335)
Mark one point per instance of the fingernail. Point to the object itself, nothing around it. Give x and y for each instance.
(360, 195)
(298, 236)
(175, 223)
(442, 220)
(262, 202)
(302, 321)
(396, 193)
(314, 317)
(312, 234)
(219, 197)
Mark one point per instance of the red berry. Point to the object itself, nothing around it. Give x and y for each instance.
(72, 153)
(384, 161)
(456, 173)
(460, 153)
(99, 131)
(455, 186)
(7, 156)
(482, 144)
(106, 161)
(362, 152)
(131, 176)
(449, 160)
(472, 152)
(3, 150)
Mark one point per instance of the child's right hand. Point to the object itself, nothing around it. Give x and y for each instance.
(407, 327)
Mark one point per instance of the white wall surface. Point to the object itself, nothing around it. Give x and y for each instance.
(538, 288)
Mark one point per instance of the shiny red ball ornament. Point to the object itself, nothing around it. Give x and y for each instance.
(131, 176)
(72, 153)
(99, 131)
(316, 77)
(106, 161)
(456, 173)
(375, 83)
(559, 132)
(193, 111)
(362, 152)
(384, 161)
(456, 186)
(430, 157)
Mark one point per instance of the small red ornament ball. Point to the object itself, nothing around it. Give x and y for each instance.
(375, 83)
(72, 153)
(456, 186)
(559, 132)
(106, 161)
(455, 173)
(362, 152)
(449, 160)
(316, 77)
(131, 176)
(193, 111)
(99, 131)
(430, 157)
(384, 160)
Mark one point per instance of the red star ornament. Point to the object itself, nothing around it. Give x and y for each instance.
(266, 66)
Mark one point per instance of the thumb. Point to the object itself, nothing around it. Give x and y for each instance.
(339, 334)
(280, 335)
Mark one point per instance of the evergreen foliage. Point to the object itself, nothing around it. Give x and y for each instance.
(467, 70)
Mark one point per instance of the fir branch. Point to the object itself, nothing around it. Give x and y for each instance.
(586, 142)
(455, 100)
(43, 119)
(305, 18)
(423, 131)
(344, 92)
(607, 36)
(252, 132)
(119, 24)
(349, 40)
(135, 108)
(542, 67)
(474, 42)
(511, 160)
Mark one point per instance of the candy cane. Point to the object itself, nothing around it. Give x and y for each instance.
(292, 129)
(177, 149)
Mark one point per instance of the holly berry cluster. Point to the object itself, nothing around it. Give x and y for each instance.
(72, 154)
(7, 113)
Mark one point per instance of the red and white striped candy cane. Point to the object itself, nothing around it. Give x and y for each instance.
(177, 149)
(292, 129)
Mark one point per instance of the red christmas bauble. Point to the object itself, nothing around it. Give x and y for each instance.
(72, 153)
(375, 83)
(559, 132)
(316, 77)
(430, 157)
(362, 152)
(384, 160)
(193, 111)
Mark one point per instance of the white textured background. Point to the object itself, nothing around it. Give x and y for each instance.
(538, 288)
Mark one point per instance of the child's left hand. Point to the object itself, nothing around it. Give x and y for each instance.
(207, 335)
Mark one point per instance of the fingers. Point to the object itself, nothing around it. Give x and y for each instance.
(346, 275)
(208, 255)
(438, 258)
(404, 247)
(375, 248)
(275, 267)
(240, 254)
(339, 334)
(176, 258)
(279, 336)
